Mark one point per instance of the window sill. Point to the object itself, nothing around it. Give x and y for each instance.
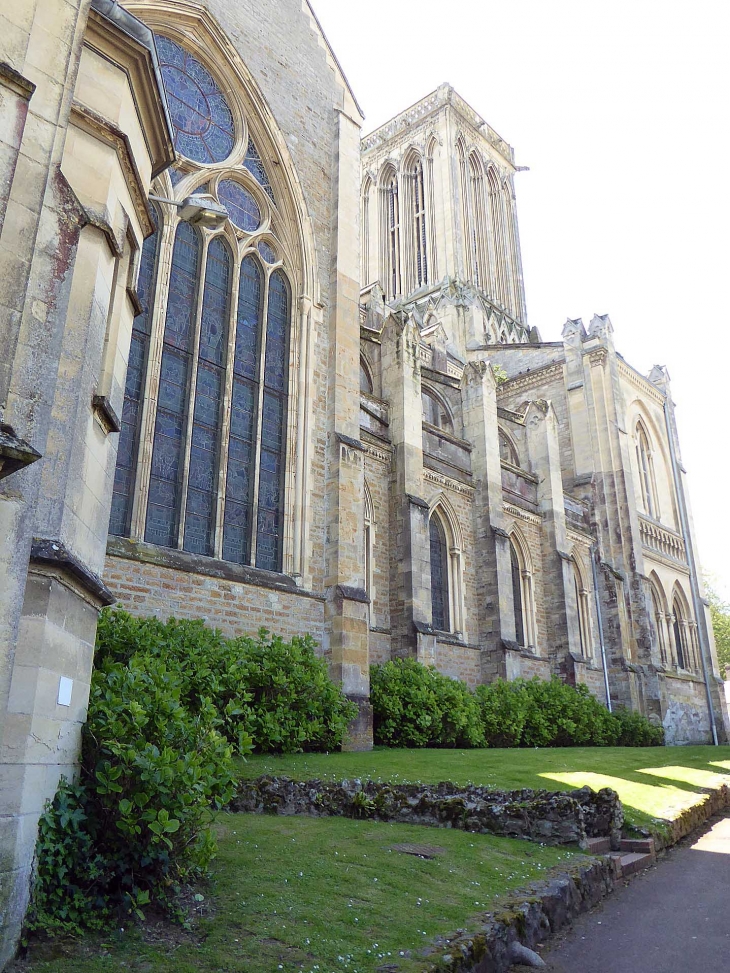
(206, 566)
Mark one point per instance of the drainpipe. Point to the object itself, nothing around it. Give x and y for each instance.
(594, 555)
(696, 600)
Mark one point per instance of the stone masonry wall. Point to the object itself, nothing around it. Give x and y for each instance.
(235, 608)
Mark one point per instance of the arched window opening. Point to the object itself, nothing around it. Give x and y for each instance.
(646, 471)
(366, 383)
(168, 449)
(205, 441)
(419, 227)
(128, 446)
(680, 635)
(435, 412)
(582, 600)
(523, 599)
(207, 473)
(439, 576)
(507, 451)
(365, 234)
(517, 600)
(658, 621)
(369, 530)
(393, 232)
(476, 221)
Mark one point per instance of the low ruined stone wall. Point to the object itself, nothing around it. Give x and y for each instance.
(552, 905)
(550, 817)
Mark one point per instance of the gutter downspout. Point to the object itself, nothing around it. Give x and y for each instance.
(697, 601)
(594, 555)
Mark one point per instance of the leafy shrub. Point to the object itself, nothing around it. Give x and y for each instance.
(634, 730)
(504, 709)
(136, 824)
(416, 706)
(292, 704)
(278, 693)
(169, 704)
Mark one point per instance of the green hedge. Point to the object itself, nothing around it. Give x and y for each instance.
(415, 706)
(170, 704)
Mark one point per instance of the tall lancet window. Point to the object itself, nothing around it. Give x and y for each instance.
(393, 235)
(440, 618)
(519, 608)
(646, 471)
(419, 225)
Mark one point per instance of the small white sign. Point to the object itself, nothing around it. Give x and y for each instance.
(65, 688)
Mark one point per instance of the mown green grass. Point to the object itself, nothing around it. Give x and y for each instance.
(655, 783)
(325, 895)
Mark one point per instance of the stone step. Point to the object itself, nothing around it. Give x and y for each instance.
(627, 863)
(644, 846)
(598, 846)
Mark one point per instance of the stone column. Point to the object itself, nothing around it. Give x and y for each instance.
(410, 549)
(346, 608)
(558, 585)
(493, 566)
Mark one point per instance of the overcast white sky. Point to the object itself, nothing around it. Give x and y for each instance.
(620, 109)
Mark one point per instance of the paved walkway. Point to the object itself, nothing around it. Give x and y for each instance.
(673, 918)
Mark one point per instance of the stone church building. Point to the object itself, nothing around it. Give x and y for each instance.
(259, 370)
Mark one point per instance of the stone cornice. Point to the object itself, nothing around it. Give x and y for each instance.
(525, 515)
(105, 131)
(532, 379)
(440, 479)
(640, 382)
(12, 79)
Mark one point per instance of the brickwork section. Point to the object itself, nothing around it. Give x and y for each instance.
(236, 609)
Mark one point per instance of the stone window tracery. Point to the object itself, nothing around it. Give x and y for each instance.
(209, 375)
(200, 115)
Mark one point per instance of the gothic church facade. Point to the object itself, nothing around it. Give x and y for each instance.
(258, 370)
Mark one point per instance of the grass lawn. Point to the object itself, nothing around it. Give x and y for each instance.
(655, 783)
(324, 894)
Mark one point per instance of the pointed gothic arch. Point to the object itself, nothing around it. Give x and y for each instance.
(508, 451)
(185, 485)
(435, 409)
(446, 556)
(523, 596)
(684, 631)
(583, 605)
(645, 464)
(416, 224)
(390, 231)
(660, 618)
(369, 541)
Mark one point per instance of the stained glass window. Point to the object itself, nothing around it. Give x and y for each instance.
(241, 453)
(242, 207)
(168, 448)
(203, 468)
(256, 167)
(439, 576)
(273, 427)
(132, 410)
(517, 595)
(267, 252)
(201, 118)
